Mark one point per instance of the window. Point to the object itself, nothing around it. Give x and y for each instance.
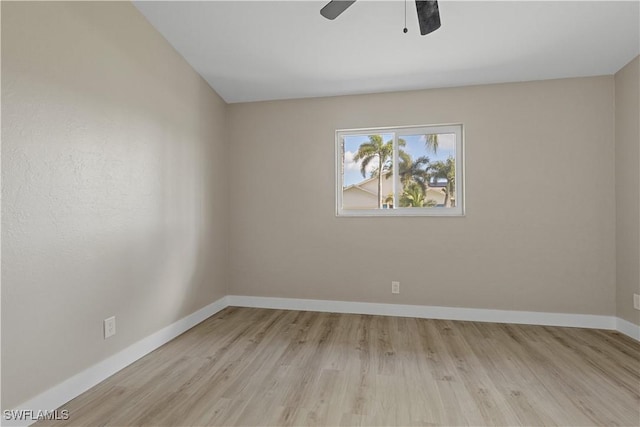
(400, 171)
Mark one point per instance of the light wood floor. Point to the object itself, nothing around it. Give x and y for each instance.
(272, 367)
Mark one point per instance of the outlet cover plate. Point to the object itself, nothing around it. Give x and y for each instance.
(109, 327)
(395, 287)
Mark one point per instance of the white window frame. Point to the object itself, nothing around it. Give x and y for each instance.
(399, 131)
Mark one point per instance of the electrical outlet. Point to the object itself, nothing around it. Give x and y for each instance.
(395, 287)
(109, 327)
(636, 301)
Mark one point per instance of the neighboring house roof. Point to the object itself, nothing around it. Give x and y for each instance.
(366, 181)
(357, 187)
(430, 185)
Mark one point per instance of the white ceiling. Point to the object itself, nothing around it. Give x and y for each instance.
(251, 51)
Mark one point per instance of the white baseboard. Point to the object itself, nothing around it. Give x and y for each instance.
(628, 328)
(429, 312)
(83, 381)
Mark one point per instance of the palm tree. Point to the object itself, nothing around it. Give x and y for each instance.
(414, 197)
(373, 150)
(413, 174)
(414, 171)
(410, 171)
(445, 170)
(431, 142)
(417, 171)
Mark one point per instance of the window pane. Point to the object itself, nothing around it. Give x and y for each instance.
(363, 158)
(426, 170)
(400, 171)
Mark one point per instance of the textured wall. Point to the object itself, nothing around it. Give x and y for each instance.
(627, 112)
(540, 210)
(114, 196)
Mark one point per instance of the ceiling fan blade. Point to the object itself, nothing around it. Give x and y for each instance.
(428, 16)
(335, 7)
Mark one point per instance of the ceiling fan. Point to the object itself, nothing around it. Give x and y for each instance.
(428, 14)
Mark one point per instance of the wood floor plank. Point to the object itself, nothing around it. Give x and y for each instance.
(250, 367)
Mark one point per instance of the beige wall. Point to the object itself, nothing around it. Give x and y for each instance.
(542, 239)
(114, 198)
(627, 131)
